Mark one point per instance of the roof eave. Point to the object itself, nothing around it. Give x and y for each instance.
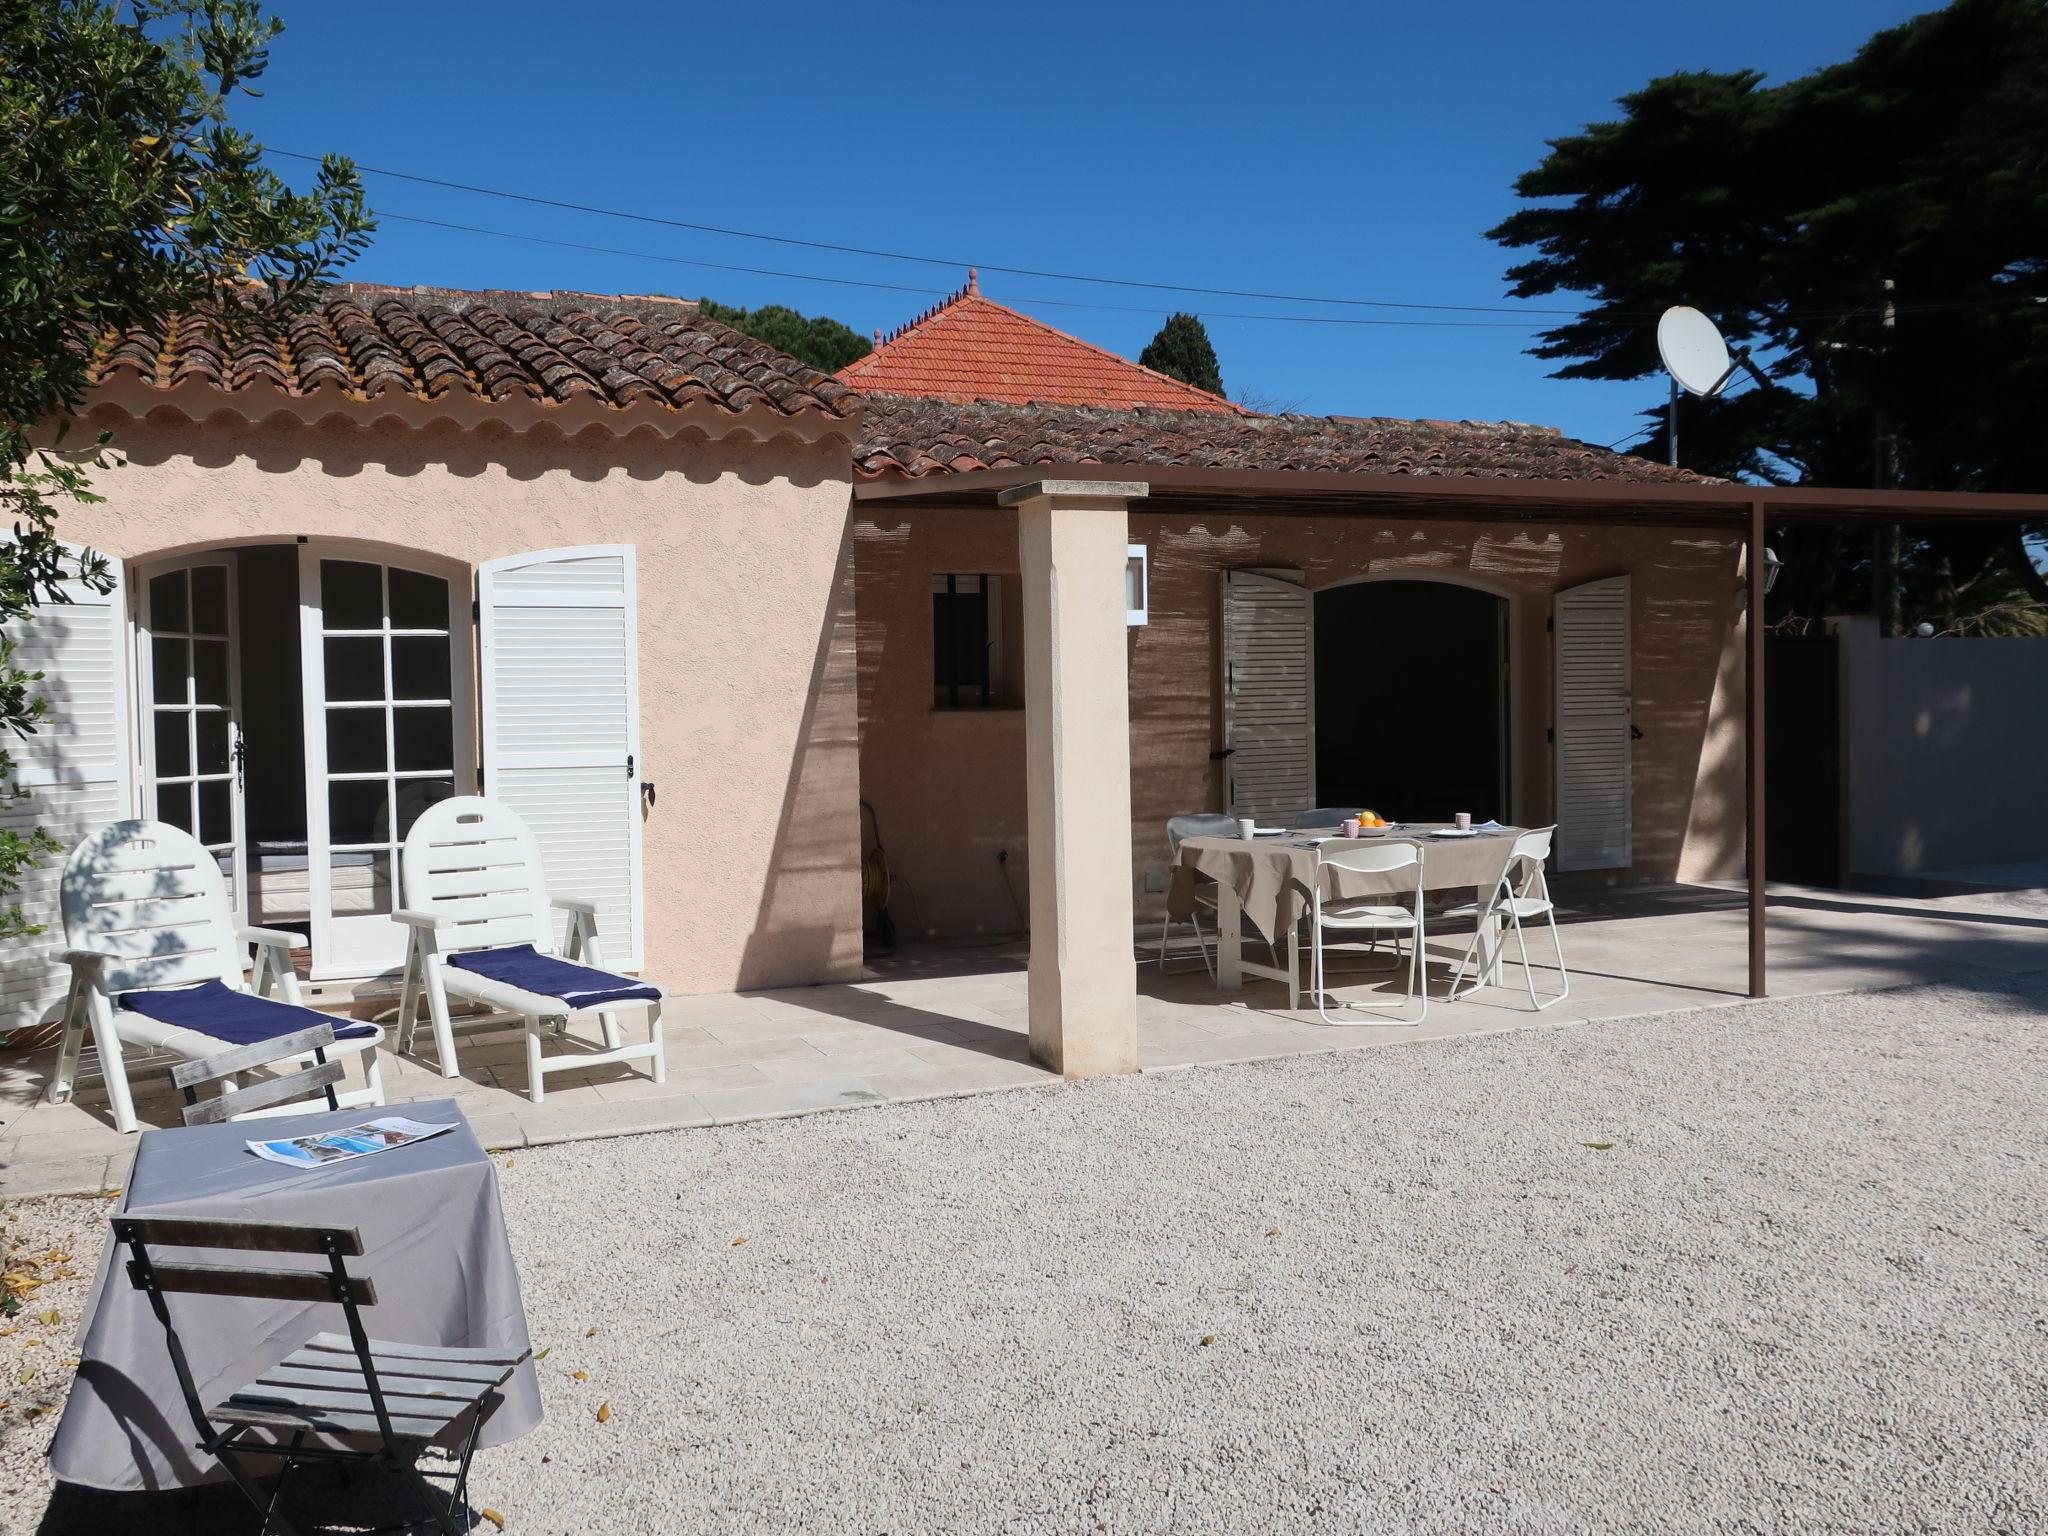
(1309, 491)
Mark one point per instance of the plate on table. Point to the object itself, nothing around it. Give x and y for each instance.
(1455, 832)
(1269, 831)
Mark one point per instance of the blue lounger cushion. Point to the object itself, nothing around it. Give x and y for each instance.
(240, 1018)
(576, 986)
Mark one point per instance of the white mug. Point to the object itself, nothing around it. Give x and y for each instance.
(1244, 827)
(1464, 821)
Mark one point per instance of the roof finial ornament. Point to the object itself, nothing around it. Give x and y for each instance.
(973, 281)
(878, 335)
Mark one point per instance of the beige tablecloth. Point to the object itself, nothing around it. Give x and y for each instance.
(1272, 875)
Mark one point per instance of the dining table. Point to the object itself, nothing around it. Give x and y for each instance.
(1267, 879)
(433, 1243)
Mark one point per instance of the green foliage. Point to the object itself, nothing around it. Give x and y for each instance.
(819, 340)
(1782, 211)
(1182, 351)
(125, 197)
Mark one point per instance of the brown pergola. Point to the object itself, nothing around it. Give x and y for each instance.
(1746, 509)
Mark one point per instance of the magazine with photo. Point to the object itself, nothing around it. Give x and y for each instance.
(338, 1146)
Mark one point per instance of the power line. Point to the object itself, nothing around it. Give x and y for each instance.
(855, 282)
(936, 261)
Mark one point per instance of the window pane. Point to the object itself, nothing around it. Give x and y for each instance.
(419, 667)
(351, 595)
(210, 600)
(355, 668)
(361, 883)
(170, 661)
(415, 795)
(418, 601)
(358, 811)
(210, 671)
(174, 804)
(213, 741)
(216, 821)
(960, 636)
(425, 738)
(167, 608)
(355, 741)
(173, 750)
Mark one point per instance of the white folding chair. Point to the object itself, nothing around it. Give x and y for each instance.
(157, 962)
(1369, 914)
(481, 929)
(1178, 830)
(1523, 892)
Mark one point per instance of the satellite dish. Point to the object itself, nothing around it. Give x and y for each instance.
(1694, 353)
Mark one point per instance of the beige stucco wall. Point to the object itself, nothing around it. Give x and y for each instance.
(751, 851)
(949, 786)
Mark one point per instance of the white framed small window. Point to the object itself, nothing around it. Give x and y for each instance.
(969, 641)
(1137, 586)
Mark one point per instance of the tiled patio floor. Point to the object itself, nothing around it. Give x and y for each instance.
(939, 1021)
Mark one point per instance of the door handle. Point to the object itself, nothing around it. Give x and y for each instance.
(629, 765)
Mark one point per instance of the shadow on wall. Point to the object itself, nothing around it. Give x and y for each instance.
(800, 931)
(343, 447)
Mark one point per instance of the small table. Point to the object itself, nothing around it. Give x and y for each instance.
(1269, 879)
(433, 1241)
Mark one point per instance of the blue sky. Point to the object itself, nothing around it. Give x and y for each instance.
(1357, 151)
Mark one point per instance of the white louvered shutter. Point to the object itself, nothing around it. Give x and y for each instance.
(1268, 708)
(1594, 726)
(558, 637)
(75, 769)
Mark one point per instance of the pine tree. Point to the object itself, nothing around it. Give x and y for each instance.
(826, 344)
(1182, 351)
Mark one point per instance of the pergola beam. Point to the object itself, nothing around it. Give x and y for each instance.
(1753, 742)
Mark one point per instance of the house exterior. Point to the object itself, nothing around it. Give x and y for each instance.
(685, 603)
(589, 554)
(1315, 646)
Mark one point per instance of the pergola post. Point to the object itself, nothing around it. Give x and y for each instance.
(1072, 538)
(1753, 741)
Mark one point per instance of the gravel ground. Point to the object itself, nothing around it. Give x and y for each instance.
(1767, 1268)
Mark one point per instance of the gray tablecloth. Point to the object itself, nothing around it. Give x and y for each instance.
(433, 1240)
(1273, 875)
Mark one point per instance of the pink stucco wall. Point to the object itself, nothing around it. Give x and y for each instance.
(949, 786)
(745, 641)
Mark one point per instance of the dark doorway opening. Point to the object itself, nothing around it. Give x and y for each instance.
(1411, 699)
(1803, 760)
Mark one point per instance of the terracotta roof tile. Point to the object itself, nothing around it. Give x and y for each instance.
(972, 348)
(909, 436)
(365, 341)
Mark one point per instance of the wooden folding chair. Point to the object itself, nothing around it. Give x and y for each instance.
(319, 1076)
(336, 1399)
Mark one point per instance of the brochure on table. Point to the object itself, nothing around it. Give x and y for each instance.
(338, 1146)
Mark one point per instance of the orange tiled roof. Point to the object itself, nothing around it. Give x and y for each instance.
(365, 340)
(972, 348)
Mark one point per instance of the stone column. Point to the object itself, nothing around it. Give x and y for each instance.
(1072, 536)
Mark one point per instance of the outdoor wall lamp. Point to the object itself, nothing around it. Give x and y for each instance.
(1137, 586)
(1772, 565)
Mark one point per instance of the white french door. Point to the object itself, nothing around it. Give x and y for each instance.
(189, 666)
(386, 659)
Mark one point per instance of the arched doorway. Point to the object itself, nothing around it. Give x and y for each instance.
(1411, 696)
(300, 704)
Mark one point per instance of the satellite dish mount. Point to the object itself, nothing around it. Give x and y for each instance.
(1698, 360)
